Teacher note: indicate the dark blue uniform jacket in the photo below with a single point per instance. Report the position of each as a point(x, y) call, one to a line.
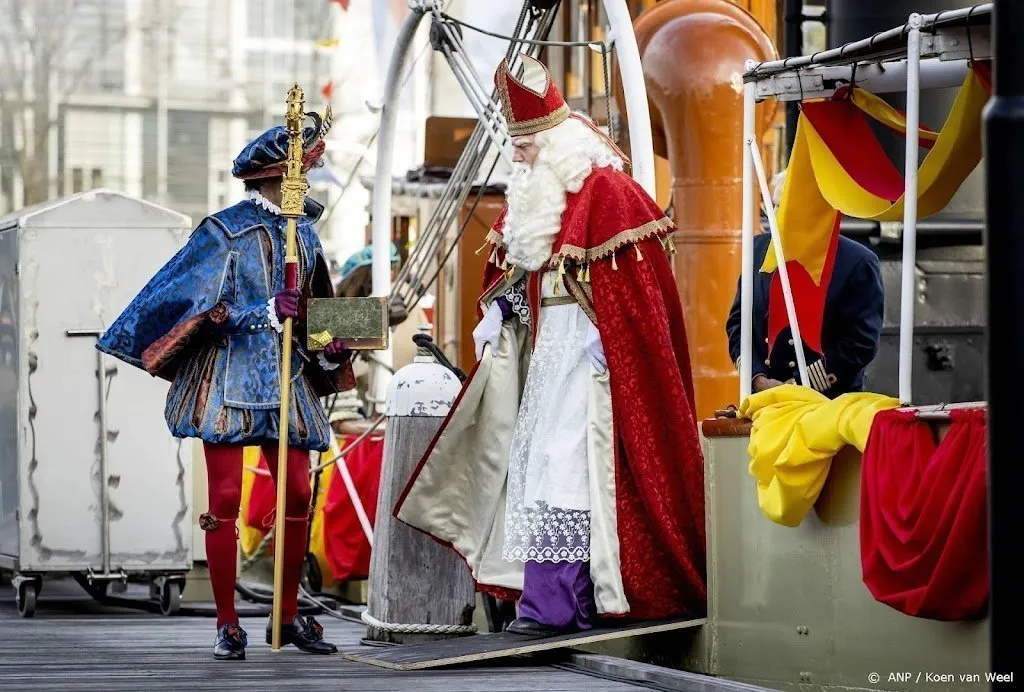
point(851, 328)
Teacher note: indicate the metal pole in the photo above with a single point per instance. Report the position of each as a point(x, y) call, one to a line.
point(787, 289)
point(793, 45)
point(634, 86)
point(1004, 152)
point(381, 205)
point(907, 291)
point(381, 228)
point(747, 262)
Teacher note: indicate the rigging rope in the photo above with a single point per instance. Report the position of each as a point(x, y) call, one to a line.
point(461, 180)
point(532, 42)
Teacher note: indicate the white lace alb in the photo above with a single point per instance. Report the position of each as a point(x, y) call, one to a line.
point(547, 515)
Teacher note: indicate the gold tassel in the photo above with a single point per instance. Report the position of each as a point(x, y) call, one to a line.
point(504, 264)
point(580, 273)
point(586, 275)
point(494, 257)
point(482, 248)
point(615, 267)
point(639, 257)
point(509, 273)
point(561, 275)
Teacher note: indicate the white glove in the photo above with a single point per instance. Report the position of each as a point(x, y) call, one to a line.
point(595, 351)
point(489, 330)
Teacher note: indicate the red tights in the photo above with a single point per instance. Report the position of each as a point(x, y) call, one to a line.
point(224, 473)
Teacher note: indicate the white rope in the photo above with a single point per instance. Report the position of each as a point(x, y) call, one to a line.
point(416, 629)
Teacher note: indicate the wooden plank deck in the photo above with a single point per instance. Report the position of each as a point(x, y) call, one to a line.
point(73, 643)
point(484, 647)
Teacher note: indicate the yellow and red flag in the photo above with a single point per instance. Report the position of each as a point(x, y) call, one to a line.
point(838, 167)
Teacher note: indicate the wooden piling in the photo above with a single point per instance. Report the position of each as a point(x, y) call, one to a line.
point(413, 579)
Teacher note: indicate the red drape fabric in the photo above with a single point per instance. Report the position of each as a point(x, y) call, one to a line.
point(923, 524)
point(345, 544)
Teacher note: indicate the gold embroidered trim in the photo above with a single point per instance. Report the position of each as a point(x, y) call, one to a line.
point(526, 127)
point(555, 302)
point(493, 237)
point(535, 125)
point(627, 237)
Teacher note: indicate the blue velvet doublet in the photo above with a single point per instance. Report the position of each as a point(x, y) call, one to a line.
point(203, 323)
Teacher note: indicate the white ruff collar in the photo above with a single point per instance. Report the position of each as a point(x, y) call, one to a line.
point(261, 201)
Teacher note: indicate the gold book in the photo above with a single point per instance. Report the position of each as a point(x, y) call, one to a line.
point(362, 323)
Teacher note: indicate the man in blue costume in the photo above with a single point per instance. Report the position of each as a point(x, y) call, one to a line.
point(210, 322)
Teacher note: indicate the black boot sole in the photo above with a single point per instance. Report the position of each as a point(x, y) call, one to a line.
point(230, 657)
point(286, 641)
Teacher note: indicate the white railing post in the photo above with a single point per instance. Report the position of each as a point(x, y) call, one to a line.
point(909, 273)
point(747, 262)
point(780, 258)
point(634, 88)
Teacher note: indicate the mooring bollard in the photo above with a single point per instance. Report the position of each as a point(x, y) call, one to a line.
point(419, 590)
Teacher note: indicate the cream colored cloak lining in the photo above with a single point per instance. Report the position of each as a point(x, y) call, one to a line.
point(459, 495)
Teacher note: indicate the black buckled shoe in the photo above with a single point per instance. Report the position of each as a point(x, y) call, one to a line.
point(230, 644)
point(305, 634)
point(531, 628)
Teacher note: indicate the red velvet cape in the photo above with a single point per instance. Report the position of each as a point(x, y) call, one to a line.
point(614, 234)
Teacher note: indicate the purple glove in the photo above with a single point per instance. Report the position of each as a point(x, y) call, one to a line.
point(286, 303)
point(337, 352)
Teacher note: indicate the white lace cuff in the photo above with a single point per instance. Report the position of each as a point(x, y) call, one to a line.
point(272, 316)
point(326, 364)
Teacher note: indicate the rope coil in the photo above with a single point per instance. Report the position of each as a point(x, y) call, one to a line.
point(416, 629)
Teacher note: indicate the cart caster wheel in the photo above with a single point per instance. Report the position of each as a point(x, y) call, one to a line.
point(25, 597)
point(314, 577)
point(170, 597)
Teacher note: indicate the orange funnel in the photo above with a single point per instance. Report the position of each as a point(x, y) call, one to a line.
point(693, 54)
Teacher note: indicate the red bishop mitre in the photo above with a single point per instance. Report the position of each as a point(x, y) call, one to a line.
point(533, 104)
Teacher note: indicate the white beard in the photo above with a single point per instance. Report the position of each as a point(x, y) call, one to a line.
point(536, 200)
point(536, 195)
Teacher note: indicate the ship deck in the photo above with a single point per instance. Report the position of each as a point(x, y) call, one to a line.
point(75, 643)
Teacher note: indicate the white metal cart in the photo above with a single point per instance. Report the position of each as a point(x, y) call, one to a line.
point(92, 484)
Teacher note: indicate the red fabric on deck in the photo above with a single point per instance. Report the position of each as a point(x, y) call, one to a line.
point(345, 544)
point(923, 526)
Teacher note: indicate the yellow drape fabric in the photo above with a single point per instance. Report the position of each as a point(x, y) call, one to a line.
point(249, 536)
point(796, 432)
point(817, 186)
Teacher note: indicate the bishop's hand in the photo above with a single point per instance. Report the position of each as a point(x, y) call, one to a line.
point(488, 332)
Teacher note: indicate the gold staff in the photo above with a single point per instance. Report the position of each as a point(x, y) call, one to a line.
point(293, 194)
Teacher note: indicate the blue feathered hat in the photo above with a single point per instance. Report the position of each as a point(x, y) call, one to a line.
point(266, 156)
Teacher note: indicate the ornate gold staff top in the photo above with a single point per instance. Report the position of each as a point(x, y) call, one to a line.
point(293, 195)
